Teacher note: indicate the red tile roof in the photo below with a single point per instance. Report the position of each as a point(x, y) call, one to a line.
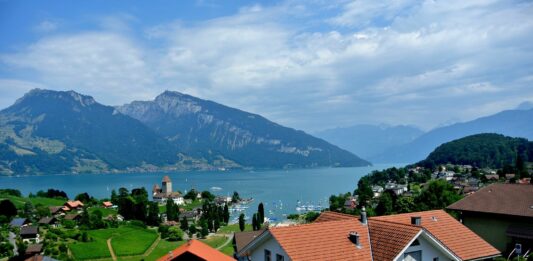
point(388, 239)
point(324, 241)
point(506, 199)
point(333, 216)
point(455, 236)
point(198, 249)
point(107, 204)
point(166, 179)
point(74, 204)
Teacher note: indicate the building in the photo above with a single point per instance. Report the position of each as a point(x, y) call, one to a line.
point(30, 233)
point(107, 204)
point(241, 239)
point(73, 217)
point(428, 235)
point(195, 250)
point(350, 203)
point(49, 221)
point(73, 205)
point(19, 222)
point(34, 249)
point(161, 195)
point(377, 190)
point(502, 214)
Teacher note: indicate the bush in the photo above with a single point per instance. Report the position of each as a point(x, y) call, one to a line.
point(175, 234)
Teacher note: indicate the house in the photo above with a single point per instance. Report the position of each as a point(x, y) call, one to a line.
point(161, 195)
point(56, 210)
point(29, 233)
point(19, 222)
point(350, 203)
point(34, 249)
point(241, 239)
point(220, 200)
point(428, 235)
point(195, 250)
point(492, 177)
point(50, 221)
point(377, 190)
point(502, 214)
point(40, 258)
point(74, 217)
point(73, 205)
point(107, 204)
point(509, 176)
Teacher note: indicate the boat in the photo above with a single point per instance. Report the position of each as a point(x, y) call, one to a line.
point(215, 188)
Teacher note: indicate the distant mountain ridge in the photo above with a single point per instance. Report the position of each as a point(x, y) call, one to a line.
point(513, 123)
point(368, 140)
point(207, 129)
point(66, 132)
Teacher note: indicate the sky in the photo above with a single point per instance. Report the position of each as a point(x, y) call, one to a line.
point(309, 64)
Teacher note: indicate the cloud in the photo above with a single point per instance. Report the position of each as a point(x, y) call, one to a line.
point(310, 64)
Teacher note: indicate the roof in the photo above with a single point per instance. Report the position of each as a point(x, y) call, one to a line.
point(55, 209)
point(455, 236)
point(506, 199)
point(324, 241)
point(74, 204)
point(166, 179)
point(40, 258)
point(107, 204)
point(198, 249)
point(46, 220)
point(333, 216)
point(520, 231)
point(18, 222)
point(387, 245)
point(71, 216)
point(30, 230)
point(243, 238)
point(34, 248)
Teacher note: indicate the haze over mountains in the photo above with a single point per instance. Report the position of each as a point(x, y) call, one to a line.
point(404, 144)
point(55, 132)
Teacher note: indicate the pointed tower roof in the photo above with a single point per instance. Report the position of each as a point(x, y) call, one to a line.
point(166, 179)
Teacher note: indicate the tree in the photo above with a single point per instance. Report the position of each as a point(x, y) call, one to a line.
point(405, 205)
point(226, 214)
point(438, 195)
point(216, 225)
point(192, 229)
point(85, 219)
point(241, 222)
point(385, 205)
point(255, 223)
point(235, 198)
point(28, 210)
point(7, 208)
point(83, 197)
point(172, 210)
point(205, 230)
point(208, 196)
point(42, 211)
point(153, 214)
point(96, 221)
point(364, 191)
point(184, 224)
point(260, 214)
point(175, 234)
point(114, 197)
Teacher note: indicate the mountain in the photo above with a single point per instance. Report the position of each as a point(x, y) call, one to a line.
point(63, 131)
point(481, 150)
point(368, 141)
point(514, 123)
point(209, 130)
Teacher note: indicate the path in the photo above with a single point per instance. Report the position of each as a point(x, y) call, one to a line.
point(111, 250)
point(152, 247)
point(230, 238)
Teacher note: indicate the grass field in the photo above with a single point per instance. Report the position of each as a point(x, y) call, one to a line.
point(105, 211)
point(215, 241)
point(126, 240)
point(163, 248)
point(20, 201)
point(233, 228)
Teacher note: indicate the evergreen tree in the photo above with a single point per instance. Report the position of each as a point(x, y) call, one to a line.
point(255, 222)
point(226, 214)
point(114, 197)
point(85, 219)
point(260, 214)
point(385, 205)
point(172, 213)
point(241, 222)
point(153, 214)
point(184, 225)
point(205, 230)
point(7, 208)
point(210, 224)
point(216, 225)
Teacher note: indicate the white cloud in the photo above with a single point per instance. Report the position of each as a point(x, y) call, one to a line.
point(392, 61)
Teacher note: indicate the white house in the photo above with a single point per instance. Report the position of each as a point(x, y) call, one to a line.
point(429, 235)
point(161, 195)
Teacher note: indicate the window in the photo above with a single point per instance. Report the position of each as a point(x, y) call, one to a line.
point(279, 257)
point(413, 256)
point(415, 243)
point(267, 255)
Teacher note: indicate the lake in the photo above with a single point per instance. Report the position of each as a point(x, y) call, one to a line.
point(281, 191)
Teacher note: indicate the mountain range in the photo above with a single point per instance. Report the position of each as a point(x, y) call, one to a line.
point(66, 132)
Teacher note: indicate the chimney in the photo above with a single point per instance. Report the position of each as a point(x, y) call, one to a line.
point(354, 237)
point(416, 221)
point(364, 219)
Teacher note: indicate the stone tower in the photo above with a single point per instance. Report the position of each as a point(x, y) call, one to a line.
point(167, 185)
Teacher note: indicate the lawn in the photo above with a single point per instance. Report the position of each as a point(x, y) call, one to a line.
point(215, 241)
point(233, 228)
point(20, 201)
point(162, 249)
point(126, 240)
point(105, 211)
point(228, 249)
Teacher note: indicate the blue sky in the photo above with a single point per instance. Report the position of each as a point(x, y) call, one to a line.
point(310, 65)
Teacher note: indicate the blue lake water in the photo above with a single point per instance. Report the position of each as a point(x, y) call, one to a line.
point(280, 190)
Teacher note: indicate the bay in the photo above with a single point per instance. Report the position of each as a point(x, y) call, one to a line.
point(281, 191)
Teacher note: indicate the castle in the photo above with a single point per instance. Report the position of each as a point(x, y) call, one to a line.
point(161, 195)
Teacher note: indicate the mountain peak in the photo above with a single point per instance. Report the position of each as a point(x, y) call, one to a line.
point(83, 100)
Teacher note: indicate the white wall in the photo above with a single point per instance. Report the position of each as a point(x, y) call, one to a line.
point(258, 253)
point(429, 250)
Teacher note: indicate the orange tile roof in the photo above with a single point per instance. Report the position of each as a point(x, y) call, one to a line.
point(333, 216)
point(455, 236)
point(198, 249)
point(506, 199)
point(107, 204)
point(74, 204)
point(389, 239)
point(324, 241)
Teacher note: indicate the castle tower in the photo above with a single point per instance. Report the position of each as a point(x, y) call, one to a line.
point(167, 185)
